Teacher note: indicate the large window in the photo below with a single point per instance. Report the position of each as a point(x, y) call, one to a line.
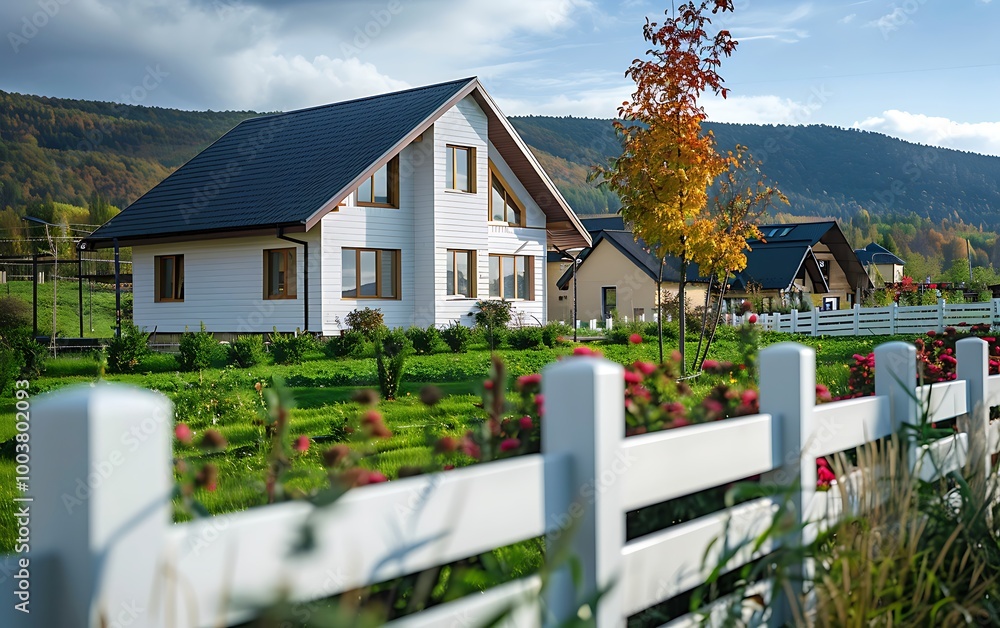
point(280, 274)
point(462, 273)
point(382, 188)
point(370, 274)
point(460, 168)
point(510, 277)
point(503, 206)
point(168, 273)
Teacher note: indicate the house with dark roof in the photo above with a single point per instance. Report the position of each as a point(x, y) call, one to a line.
point(617, 275)
point(418, 203)
point(809, 263)
point(806, 263)
point(882, 265)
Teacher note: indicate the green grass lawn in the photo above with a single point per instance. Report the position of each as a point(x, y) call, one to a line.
point(101, 302)
point(225, 399)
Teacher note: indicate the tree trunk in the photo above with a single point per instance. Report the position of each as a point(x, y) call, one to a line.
point(659, 308)
point(718, 317)
point(681, 314)
point(704, 324)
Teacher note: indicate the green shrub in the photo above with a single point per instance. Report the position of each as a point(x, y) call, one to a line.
point(525, 338)
point(10, 368)
point(457, 337)
point(198, 350)
point(555, 334)
point(246, 351)
point(31, 355)
point(349, 344)
point(391, 348)
point(290, 348)
point(127, 350)
point(424, 340)
point(492, 317)
point(368, 321)
point(14, 313)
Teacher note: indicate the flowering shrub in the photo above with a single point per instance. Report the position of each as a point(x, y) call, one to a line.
point(936, 360)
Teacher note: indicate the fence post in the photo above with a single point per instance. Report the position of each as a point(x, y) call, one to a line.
point(608, 324)
point(941, 306)
point(585, 420)
point(857, 319)
point(973, 366)
point(815, 321)
point(788, 393)
point(795, 321)
point(101, 484)
point(896, 378)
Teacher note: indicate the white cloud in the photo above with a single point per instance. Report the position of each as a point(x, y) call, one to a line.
point(979, 137)
point(759, 110)
point(596, 103)
point(847, 19)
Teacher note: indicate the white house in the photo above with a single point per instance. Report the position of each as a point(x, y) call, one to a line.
point(418, 203)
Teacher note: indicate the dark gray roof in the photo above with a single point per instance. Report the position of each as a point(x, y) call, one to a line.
point(594, 224)
point(638, 253)
point(772, 267)
point(808, 232)
point(877, 253)
point(278, 169)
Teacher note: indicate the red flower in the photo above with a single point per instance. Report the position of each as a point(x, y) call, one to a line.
point(749, 397)
point(183, 433)
point(374, 477)
point(583, 351)
point(635, 339)
point(710, 365)
point(932, 333)
point(372, 417)
point(488, 384)
point(631, 377)
point(526, 423)
point(446, 444)
point(646, 368)
point(822, 393)
point(752, 319)
point(539, 399)
point(510, 444)
point(302, 443)
point(529, 380)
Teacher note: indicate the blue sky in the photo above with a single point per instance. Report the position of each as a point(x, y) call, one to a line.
point(923, 70)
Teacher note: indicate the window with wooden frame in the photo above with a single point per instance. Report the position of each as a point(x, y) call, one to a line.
point(280, 274)
point(382, 188)
point(461, 273)
point(511, 277)
point(168, 271)
point(503, 206)
point(460, 168)
point(370, 274)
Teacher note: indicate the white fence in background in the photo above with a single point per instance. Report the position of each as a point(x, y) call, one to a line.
point(879, 321)
point(103, 548)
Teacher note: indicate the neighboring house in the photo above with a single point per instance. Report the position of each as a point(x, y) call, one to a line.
point(417, 203)
point(806, 262)
point(882, 265)
point(617, 275)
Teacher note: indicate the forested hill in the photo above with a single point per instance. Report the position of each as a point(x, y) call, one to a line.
point(824, 171)
point(66, 150)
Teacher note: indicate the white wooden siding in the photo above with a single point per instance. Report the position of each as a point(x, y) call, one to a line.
point(224, 287)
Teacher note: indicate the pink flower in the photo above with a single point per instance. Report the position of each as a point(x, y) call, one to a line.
point(680, 422)
point(539, 399)
point(510, 444)
point(526, 423)
point(529, 380)
point(710, 365)
point(714, 406)
point(631, 377)
point(302, 444)
point(183, 433)
point(583, 351)
point(372, 417)
point(374, 477)
point(753, 319)
point(635, 339)
point(822, 393)
point(646, 368)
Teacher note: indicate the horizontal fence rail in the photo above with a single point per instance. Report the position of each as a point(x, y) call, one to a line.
point(878, 321)
point(110, 546)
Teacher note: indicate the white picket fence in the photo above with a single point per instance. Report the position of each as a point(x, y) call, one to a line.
point(879, 321)
point(102, 544)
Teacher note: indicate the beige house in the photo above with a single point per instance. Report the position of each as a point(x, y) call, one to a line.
point(616, 277)
point(882, 265)
point(809, 263)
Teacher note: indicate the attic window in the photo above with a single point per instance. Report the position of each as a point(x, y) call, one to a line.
point(785, 232)
point(382, 188)
point(773, 232)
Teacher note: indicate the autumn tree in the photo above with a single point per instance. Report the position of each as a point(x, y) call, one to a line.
point(741, 197)
point(667, 162)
